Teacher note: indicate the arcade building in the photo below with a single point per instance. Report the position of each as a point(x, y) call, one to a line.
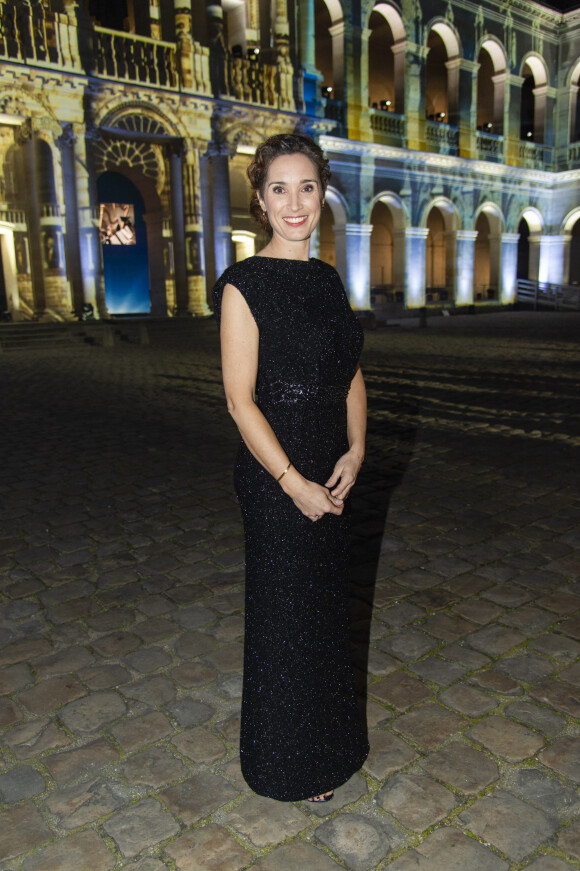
point(452, 129)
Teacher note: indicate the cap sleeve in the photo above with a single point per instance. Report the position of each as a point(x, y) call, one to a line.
point(245, 280)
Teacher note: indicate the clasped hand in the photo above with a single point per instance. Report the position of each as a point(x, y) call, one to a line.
point(315, 500)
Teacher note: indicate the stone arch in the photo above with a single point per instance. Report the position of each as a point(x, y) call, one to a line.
point(442, 220)
point(530, 227)
point(574, 85)
point(329, 46)
point(491, 84)
point(333, 221)
point(570, 229)
point(489, 224)
point(386, 58)
point(534, 72)
point(442, 73)
point(388, 216)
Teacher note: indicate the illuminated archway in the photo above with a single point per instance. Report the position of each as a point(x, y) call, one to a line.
point(491, 78)
point(571, 231)
point(489, 224)
point(442, 222)
point(442, 74)
point(386, 67)
point(533, 99)
point(530, 227)
point(332, 223)
point(574, 86)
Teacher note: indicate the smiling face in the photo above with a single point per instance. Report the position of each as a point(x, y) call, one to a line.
point(292, 197)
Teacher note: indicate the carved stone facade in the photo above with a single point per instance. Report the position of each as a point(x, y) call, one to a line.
point(453, 131)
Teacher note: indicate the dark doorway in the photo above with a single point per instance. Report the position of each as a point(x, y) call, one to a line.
point(524, 250)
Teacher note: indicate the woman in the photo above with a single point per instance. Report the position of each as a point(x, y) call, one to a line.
point(290, 349)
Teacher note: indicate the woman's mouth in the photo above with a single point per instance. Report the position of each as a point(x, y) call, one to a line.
point(296, 222)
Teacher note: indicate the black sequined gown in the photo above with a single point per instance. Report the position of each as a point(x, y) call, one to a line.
point(300, 733)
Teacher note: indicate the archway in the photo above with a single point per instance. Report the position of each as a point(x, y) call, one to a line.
point(382, 253)
point(533, 100)
point(490, 88)
point(442, 75)
point(575, 105)
point(386, 71)
point(440, 251)
point(571, 233)
point(124, 245)
point(530, 229)
point(326, 236)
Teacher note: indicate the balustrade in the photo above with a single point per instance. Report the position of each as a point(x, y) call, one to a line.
point(489, 146)
point(388, 123)
point(442, 138)
point(134, 58)
point(29, 33)
point(534, 155)
point(250, 81)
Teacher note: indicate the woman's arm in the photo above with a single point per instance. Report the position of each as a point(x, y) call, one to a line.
point(347, 468)
point(239, 342)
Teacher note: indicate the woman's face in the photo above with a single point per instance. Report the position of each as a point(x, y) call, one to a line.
point(292, 197)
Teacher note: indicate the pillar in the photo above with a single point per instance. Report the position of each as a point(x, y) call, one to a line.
point(551, 269)
point(222, 228)
point(177, 221)
point(184, 42)
point(25, 139)
point(72, 239)
point(415, 57)
point(399, 49)
point(415, 255)
point(512, 119)
point(155, 19)
point(307, 37)
point(353, 244)
point(194, 235)
point(337, 34)
point(467, 108)
point(509, 267)
point(499, 90)
point(465, 261)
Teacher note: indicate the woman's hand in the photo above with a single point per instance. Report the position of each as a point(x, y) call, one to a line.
point(312, 499)
point(344, 476)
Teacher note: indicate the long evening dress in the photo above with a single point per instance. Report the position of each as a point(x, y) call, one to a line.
point(300, 732)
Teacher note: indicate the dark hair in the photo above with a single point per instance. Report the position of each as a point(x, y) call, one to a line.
point(269, 150)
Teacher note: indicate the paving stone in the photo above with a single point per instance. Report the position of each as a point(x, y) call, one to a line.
point(28, 649)
point(459, 652)
point(188, 712)
point(560, 602)
point(558, 646)
point(508, 595)
point(438, 670)
point(104, 677)
point(387, 754)
point(153, 767)
point(569, 840)
point(266, 822)
point(361, 842)
point(545, 791)
point(418, 802)
point(142, 825)
point(148, 864)
point(22, 829)
point(116, 644)
point(529, 620)
point(529, 668)
point(478, 611)
point(546, 721)
point(468, 700)
point(35, 737)
point(348, 793)
point(401, 614)
point(230, 687)
point(548, 863)
point(84, 850)
point(571, 627)
point(200, 745)
point(51, 694)
point(571, 675)
point(513, 826)
point(198, 797)
point(139, 731)
point(90, 759)
point(193, 644)
point(400, 690)
point(20, 783)
point(228, 658)
point(449, 850)
point(211, 848)
point(494, 640)
point(506, 739)
point(148, 659)
point(87, 715)
point(153, 691)
point(462, 767)
point(230, 728)
point(564, 757)
point(296, 855)
point(447, 627)
point(429, 725)
point(418, 579)
point(86, 802)
point(381, 664)
point(156, 629)
point(194, 674)
point(498, 683)
point(15, 677)
point(559, 695)
point(9, 713)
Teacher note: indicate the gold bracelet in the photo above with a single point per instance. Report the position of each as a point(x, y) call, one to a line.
point(283, 473)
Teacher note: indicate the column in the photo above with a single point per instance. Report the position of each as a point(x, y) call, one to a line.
point(90, 242)
point(467, 108)
point(465, 261)
point(307, 37)
point(551, 270)
point(415, 254)
point(177, 221)
point(358, 265)
point(155, 19)
point(415, 56)
point(25, 140)
point(534, 242)
point(453, 68)
point(184, 42)
point(285, 69)
point(509, 267)
point(222, 228)
point(512, 119)
point(495, 262)
point(194, 235)
point(72, 239)
point(337, 34)
point(399, 50)
point(217, 47)
point(206, 197)
point(499, 88)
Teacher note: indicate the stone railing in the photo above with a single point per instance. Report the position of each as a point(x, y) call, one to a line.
point(130, 58)
point(489, 146)
point(534, 155)
point(387, 123)
point(574, 152)
point(442, 138)
point(36, 35)
point(249, 81)
point(12, 215)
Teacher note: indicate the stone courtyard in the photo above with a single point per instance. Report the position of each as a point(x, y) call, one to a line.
point(121, 609)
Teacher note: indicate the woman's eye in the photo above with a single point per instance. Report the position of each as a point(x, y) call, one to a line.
point(278, 190)
point(308, 188)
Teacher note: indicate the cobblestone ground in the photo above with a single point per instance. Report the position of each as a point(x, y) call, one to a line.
point(121, 610)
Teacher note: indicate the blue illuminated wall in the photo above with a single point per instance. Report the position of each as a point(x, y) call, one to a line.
point(126, 267)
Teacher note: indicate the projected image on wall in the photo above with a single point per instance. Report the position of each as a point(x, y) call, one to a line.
point(117, 224)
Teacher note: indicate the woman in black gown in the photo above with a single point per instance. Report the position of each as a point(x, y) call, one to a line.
point(290, 349)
